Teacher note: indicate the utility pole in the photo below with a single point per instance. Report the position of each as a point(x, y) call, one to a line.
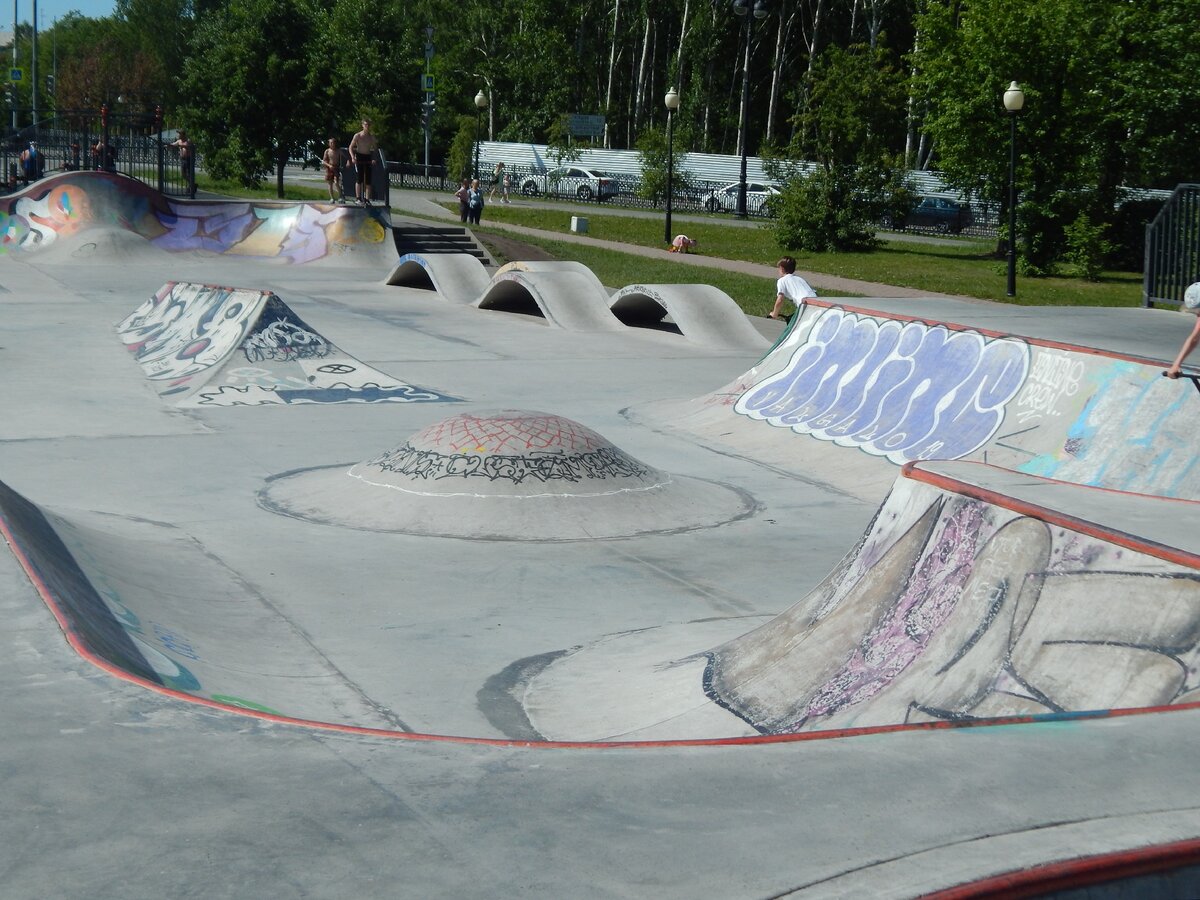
point(427, 86)
point(33, 68)
point(12, 87)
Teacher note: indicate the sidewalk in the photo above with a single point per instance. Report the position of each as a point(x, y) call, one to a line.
point(426, 203)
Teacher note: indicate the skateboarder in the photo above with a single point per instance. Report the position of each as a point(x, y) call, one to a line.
point(790, 286)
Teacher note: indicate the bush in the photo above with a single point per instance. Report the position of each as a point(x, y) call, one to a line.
point(837, 207)
point(1086, 247)
point(652, 150)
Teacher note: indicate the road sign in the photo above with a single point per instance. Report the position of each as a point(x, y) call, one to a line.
point(586, 126)
point(427, 82)
point(16, 74)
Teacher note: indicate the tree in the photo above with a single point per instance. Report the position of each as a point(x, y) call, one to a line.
point(1107, 85)
point(849, 127)
point(652, 151)
point(254, 92)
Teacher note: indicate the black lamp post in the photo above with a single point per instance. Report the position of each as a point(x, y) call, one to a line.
point(481, 103)
point(1014, 102)
point(672, 103)
point(741, 8)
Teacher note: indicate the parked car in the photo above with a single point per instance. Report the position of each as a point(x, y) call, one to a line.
point(585, 184)
point(725, 199)
point(938, 213)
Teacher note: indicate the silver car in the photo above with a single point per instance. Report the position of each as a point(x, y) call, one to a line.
point(758, 197)
point(570, 181)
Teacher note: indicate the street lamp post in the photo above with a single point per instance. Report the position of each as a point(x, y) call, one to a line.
point(481, 103)
point(672, 103)
point(1014, 102)
point(741, 8)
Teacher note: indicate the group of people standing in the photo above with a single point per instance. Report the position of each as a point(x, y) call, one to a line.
point(362, 154)
point(470, 194)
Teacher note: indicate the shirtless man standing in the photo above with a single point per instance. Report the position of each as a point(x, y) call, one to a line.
point(331, 161)
point(362, 150)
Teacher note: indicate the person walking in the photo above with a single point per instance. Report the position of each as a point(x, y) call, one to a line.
point(362, 152)
point(789, 287)
point(497, 180)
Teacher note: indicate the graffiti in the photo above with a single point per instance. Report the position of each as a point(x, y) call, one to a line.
point(514, 431)
point(607, 462)
point(1128, 430)
point(965, 610)
point(174, 642)
point(1053, 377)
point(187, 328)
point(283, 339)
point(905, 391)
point(258, 394)
point(297, 233)
point(33, 222)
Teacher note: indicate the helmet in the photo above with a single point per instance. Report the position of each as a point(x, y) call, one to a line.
point(1191, 298)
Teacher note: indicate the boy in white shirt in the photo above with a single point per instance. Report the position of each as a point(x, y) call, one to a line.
point(790, 286)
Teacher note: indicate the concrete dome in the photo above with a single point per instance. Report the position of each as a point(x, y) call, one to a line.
point(506, 475)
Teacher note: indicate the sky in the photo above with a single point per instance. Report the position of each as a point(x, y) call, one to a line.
point(49, 10)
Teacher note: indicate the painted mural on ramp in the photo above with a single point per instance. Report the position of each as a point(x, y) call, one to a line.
point(957, 605)
point(899, 390)
point(203, 345)
point(62, 208)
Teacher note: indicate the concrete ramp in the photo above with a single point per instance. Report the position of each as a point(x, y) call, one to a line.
point(557, 265)
point(146, 601)
point(704, 314)
point(72, 204)
point(564, 298)
point(457, 277)
point(976, 593)
point(204, 345)
point(898, 390)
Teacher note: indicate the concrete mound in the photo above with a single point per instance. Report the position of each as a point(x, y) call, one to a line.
point(508, 475)
point(203, 345)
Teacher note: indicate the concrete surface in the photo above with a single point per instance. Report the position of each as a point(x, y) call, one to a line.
point(117, 784)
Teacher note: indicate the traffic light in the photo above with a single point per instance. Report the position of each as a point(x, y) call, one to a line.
point(427, 110)
point(50, 85)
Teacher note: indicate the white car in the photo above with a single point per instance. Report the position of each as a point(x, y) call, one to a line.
point(570, 181)
point(725, 199)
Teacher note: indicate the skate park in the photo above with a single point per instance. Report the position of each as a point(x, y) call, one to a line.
point(338, 572)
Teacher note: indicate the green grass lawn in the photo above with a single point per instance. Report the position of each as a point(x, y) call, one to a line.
point(754, 295)
point(966, 268)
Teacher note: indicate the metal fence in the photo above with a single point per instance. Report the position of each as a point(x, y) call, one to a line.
point(1173, 248)
point(691, 195)
point(131, 144)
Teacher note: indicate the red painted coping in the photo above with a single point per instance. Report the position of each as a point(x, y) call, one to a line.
point(1036, 881)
